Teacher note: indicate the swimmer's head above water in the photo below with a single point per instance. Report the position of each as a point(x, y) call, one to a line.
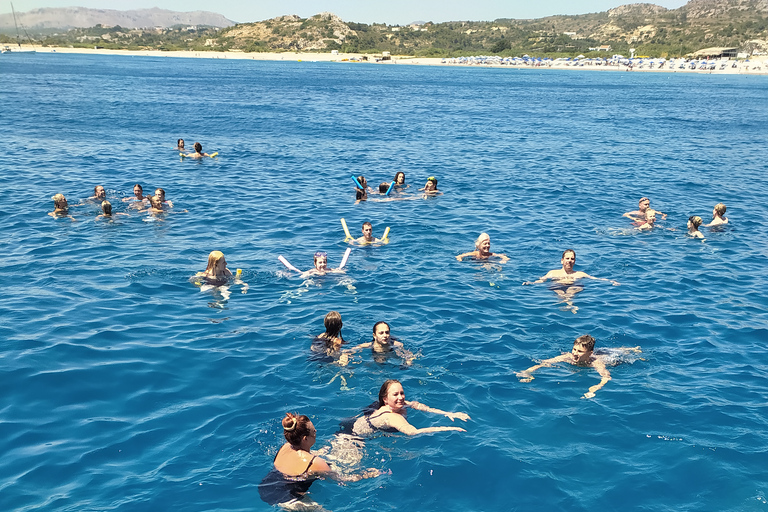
point(568, 259)
point(694, 221)
point(217, 264)
point(431, 184)
point(384, 391)
point(106, 207)
point(483, 243)
point(383, 187)
point(59, 202)
point(296, 427)
point(399, 178)
point(719, 209)
point(180, 143)
point(333, 324)
point(582, 350)
point(198, 147)
point(321, 260)
point(99, 192)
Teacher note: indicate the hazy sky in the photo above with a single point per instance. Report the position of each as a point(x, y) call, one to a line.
point(393, 12)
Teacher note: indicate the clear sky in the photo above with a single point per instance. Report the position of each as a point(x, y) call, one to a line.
point(392, 12)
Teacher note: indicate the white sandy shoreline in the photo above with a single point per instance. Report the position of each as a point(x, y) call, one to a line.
point(753, 67)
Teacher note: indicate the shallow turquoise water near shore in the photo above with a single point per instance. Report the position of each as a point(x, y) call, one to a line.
point(126, 388)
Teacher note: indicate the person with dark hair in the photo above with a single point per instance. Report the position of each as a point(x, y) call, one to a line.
point(296, 468)
point(694, 221)
point(583, 354)
point(99, 194)
point(138, 194)
point(400, 180)
point(198, 152)
point(361, 192)
point(430, 187)
point(330, 341)
point(388, 414)
point(180, 145)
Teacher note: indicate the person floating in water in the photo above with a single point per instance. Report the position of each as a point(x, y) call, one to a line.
point(566, 278)
point(99, 194)
point(106, 210)
point(639, 216)
point(650, 221)
point(583, 354)
point(368, 238)
point(483, 250)
point(330, 341)
point(138, 195)
point(295, 467)
point(217, 275)
point(694, 221)
point(388, 414)
point(361, 191)
point(198, 152)
point(718, 216)
point(320, 260)
point(180, 145)
point(160, 195)
point(400, 181)
point(430, 188)
point(383, 344)
point(60, 207)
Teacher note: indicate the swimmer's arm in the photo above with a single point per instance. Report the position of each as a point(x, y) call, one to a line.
point(418, 406)
point(465, 255)
point(321, 468)
point(584, 274)
point(358, 348)
point(525, 375)
point(632, 215)
point(541, 279)
point(401, 424)
point(605, 376)
point(503, 257)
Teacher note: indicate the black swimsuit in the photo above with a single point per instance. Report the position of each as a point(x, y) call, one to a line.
point(279, 488)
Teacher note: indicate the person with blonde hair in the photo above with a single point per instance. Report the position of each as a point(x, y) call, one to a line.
point(718, 216)
point(295, 467)
point(483, 250)
point(106, 210)
point(60, 207)
point(694, 221)
point(217, 275)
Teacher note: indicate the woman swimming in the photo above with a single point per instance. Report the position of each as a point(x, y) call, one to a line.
point(430, 187)
point(400, 180)
point(361, 192)
point(330, 341)
point(388, 414)
point(295, 468)
point(483, 250)
point(138, 194)
point(216, 273)
point(180, 145)
point(60, 207)
point(694, 221)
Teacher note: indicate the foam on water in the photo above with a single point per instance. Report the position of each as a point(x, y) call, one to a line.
point(126, 388)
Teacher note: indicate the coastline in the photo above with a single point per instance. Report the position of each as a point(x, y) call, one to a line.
point(758, 66)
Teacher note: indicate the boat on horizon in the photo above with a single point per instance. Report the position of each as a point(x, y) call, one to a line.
point(10, 49)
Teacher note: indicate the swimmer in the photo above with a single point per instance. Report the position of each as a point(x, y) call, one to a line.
point(295, 467)
point(582, 354)
point(330, 341)
point(383, 343)
point(388, 414)
point(361, 194)
point(694, 221)
point(367, 237)
point(718, 216)
point(198, 152)
point(430, 187)
point(639, 215)
point(106, 209)
point(650, 221)
point(483, 250)
point(217, 274)
point(566, 277)
point(160, 195)
point(138, 194)
point(60, 207)
point(180, 145)
point(400, 180)
point(99, 194)
point(321, 266)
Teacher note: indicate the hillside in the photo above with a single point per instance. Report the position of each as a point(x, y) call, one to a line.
point(649, 29)
point(43, 20)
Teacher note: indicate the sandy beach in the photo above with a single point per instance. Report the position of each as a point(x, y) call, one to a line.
point(755, 66)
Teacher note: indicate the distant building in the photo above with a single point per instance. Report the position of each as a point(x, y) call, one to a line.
point(717, 52)
point(604, 48)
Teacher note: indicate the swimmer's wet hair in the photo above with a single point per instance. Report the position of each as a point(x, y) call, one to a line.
point(366, 223)
point(382, 322)
point(384, 389)
point(695, 220)
point(720, 209)
point(213, 259)
point(398, 173)
point(480, 238)
point(106, 207)
point(333, 324)
point(567, 251)
point(198, 147)
point(433, 180)
point(585, 341)
point(58, 198)
point(383, 187)
point(295, 428)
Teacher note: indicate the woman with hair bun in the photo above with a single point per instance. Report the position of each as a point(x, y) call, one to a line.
point(295, 468)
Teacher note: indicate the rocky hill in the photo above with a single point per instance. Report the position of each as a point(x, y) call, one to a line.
point(290, 33)
point(79, 17)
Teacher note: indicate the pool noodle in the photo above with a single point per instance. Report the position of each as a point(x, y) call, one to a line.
point(386, 234)
point(357, 183)
point(390, 189)
point(214, 154)
point(346, 229)
point(287, 264)
point(345, 258)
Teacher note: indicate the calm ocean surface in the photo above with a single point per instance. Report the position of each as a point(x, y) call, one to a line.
point(126, 388)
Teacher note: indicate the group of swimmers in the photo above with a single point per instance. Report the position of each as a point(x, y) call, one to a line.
point(644, 218)
point(397, 184)
point(156, 203)
point(198, 150)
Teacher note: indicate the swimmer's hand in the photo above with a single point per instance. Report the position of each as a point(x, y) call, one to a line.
point(615, 283)
point(461, 415)
point(591, 392)
point(524, 377)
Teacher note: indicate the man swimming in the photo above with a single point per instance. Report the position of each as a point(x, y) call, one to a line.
point(582, 354)
point(367, 237)
point(718, 216)
point(639, 216)
point(566, 277)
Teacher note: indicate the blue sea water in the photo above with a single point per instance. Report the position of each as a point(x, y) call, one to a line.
point(127, 388)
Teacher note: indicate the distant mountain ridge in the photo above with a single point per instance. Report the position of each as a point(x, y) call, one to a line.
point(65, 18)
